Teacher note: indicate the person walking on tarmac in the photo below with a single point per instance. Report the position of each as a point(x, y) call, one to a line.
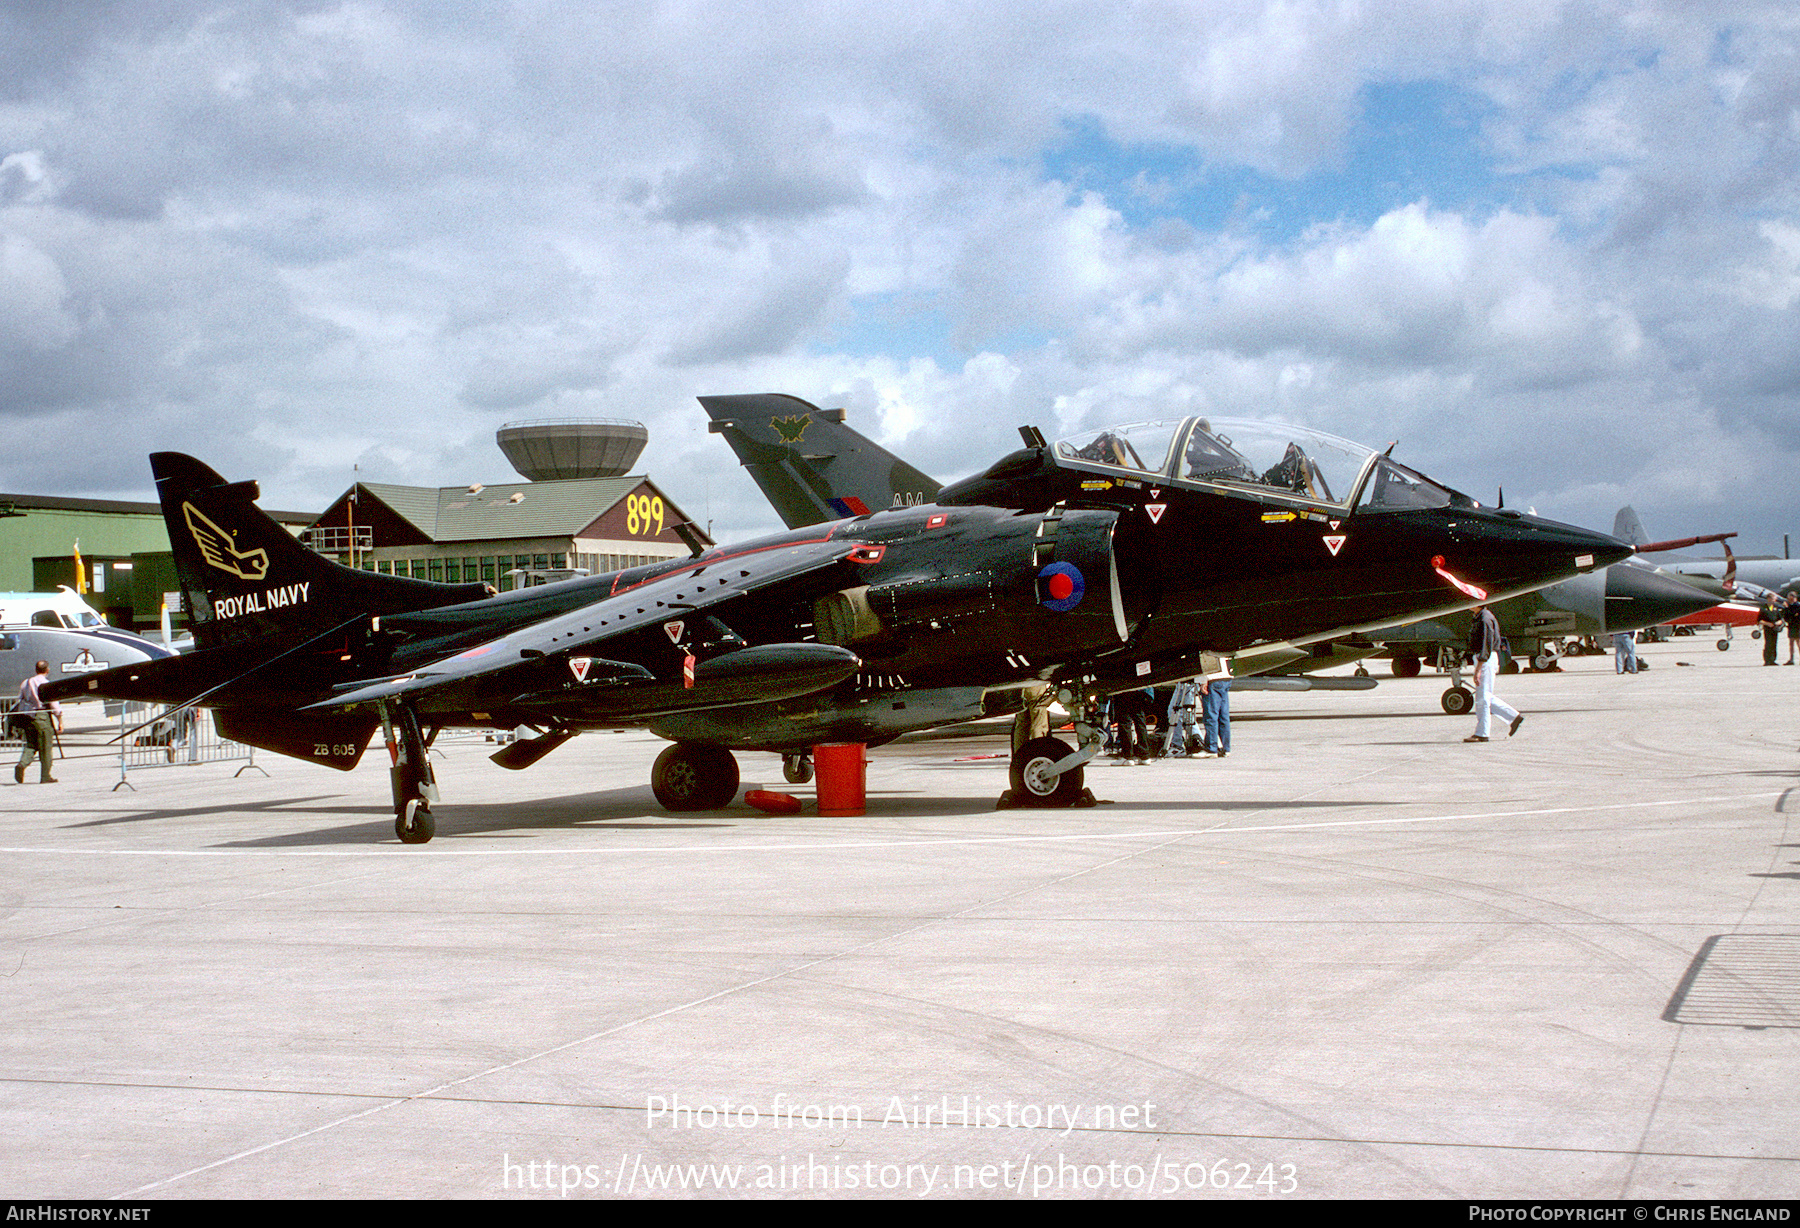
point(1484, 650)
point(39, 731)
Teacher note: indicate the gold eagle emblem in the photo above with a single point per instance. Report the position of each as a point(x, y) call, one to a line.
point(219, 550)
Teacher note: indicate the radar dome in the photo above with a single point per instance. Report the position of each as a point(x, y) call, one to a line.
point(552, 449)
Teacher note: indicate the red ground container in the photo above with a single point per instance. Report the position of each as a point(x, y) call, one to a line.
point(840, 777)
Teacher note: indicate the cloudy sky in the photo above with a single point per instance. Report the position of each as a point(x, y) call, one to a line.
point(1550, 247)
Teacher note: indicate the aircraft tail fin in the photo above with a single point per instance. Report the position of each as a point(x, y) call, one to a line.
point(1628, 528)
point(246, 578)
point(811, 466)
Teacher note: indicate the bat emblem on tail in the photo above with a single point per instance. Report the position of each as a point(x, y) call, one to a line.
point(791, 429)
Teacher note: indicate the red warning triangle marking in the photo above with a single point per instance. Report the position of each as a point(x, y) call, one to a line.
point(1155, 511)
point(1334, 543)
point(673, 630)
point(579, 666)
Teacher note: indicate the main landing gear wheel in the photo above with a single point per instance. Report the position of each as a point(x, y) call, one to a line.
point(414, 825)
point(797, 768)
point(1457, 700)
point(1032, 785)
point(1407, 667)
point(690, 776)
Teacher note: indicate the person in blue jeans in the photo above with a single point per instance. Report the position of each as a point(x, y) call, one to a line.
point(1624, 652)
point(1215, 708)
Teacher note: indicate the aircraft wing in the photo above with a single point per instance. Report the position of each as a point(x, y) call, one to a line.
point(565, 660)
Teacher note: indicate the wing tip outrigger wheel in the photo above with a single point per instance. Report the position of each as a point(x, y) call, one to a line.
point(415, 824)
point(797, 768)
point(413, 781)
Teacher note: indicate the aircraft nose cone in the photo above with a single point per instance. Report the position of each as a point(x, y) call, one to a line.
point(1605, 549)
point(1700, 584)
point(1521, 553)
point(1639, 597)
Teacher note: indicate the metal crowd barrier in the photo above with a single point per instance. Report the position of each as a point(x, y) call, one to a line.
point(474, 736)
point(154, 736)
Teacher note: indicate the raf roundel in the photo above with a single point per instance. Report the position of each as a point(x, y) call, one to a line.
point(1061, 587)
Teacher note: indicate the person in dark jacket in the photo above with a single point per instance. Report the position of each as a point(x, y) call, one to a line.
point(1484, 651)
point(1130, 709)
point(1768, 621)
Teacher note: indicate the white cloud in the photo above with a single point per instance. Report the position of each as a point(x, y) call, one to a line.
point(34, 298)
point(303, 234)
point(1774, 280)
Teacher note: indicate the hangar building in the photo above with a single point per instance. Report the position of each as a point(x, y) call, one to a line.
point(583, 511)
point(580, 510)
point(125, 562)
point(461, 533)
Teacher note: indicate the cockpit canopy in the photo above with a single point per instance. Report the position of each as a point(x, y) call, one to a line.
point(1262, 460)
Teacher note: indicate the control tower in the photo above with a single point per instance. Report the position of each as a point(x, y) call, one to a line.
point(550, 449)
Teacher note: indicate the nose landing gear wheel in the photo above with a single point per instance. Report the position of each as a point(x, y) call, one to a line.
point(1457, 700)
point(1032, 785)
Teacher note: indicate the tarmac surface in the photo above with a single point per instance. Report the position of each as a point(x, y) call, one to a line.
point(1357, 958)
